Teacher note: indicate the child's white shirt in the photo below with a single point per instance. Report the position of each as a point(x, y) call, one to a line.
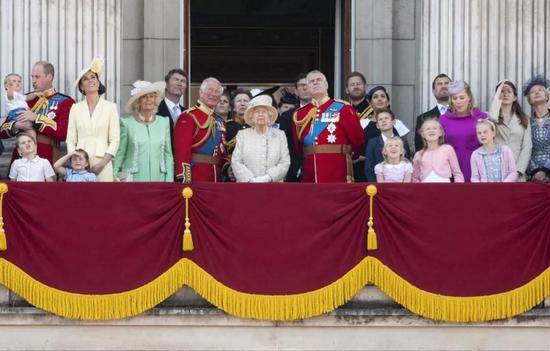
point(18, 101)
point(35, 170)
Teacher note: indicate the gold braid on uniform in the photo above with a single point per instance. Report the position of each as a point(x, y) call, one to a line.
point(366, 114)
point(231, 143)
point(300, 125)
point(208, 124)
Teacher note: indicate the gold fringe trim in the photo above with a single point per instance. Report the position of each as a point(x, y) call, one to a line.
point(94, 307)
point(276, 307)
point(454, 308)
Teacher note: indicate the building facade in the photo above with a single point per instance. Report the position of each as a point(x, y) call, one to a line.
point(401, 44)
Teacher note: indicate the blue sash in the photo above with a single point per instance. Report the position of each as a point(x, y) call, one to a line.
point(330, 115)
point(212, 142)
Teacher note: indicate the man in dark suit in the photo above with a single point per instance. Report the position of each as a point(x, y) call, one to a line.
point(385, 122)
point(170, 107)
point(285, 124)
point(441, 94)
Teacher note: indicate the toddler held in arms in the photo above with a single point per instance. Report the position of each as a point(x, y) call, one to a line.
point(14, 100)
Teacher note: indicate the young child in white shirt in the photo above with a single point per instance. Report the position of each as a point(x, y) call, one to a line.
point(14, 100)
point(30, 167)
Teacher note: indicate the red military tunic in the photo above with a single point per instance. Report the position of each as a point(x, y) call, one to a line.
point(339, 129)
point(50, 125)
point(200, 155)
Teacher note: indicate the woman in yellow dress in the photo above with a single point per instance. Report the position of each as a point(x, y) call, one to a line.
point(94, 124)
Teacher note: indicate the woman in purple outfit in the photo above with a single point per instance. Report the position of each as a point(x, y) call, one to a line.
point(459, 124)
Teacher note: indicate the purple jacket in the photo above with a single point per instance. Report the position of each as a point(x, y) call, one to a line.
point(507, 166)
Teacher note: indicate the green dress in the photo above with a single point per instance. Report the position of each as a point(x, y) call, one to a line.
point(145, 151)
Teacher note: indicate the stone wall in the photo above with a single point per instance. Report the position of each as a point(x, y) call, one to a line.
point(386, 51)
point(370, 321)
point(150, 40)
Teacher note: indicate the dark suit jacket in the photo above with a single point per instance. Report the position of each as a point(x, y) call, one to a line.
point(163, 111)
point(433, 113)
point(373, 155)
point(285, 124)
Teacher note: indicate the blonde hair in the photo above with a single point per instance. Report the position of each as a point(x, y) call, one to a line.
point(24, 134)
point(440, 140)
point(468, 91)
point(486, 122)
point(136, 106)
point(8, 76)
point(397, 140)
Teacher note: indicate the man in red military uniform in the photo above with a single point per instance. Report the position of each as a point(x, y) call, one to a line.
point(199, 135)
point(328, 135)
point(48, 115)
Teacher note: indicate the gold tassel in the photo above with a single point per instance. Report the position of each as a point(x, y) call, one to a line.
point(187, 238)
point(372, 241)
point(3, 240)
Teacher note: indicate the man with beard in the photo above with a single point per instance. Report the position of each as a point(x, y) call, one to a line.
point(440, 86)
point(356, 91)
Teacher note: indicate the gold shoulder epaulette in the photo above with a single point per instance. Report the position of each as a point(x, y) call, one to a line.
point(190, 109)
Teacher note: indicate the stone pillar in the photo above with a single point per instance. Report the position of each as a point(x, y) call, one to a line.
point(132, 46)
point(151, 41)
point(161, 38)
point(385, 51)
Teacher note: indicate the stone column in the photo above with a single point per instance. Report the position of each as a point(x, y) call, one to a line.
point(386, 50)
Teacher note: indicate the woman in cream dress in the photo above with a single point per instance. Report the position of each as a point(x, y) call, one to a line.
point(94, 124)
point(261, 152)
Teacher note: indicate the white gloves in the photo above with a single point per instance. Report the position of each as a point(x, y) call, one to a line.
point(261, 179)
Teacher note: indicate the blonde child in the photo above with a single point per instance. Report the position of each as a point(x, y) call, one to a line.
point(395, 168)
point(491, 163)
point(14, 100)
point(79, 171)
point(30, 167)
point(436, 162)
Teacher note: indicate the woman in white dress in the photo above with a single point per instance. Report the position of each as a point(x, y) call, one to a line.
point(261, 153)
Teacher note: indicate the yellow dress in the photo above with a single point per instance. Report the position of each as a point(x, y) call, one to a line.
point(97, 134)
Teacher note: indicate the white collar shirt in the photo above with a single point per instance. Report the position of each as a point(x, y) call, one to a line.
point(442, 108)
point(35, 170)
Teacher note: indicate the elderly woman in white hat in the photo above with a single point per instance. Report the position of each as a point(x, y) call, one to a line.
point(145, 152)
point(261, 153)
point(94, 123)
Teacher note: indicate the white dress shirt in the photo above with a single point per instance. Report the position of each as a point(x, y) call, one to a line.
point(442, 108)
point(35, 170)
